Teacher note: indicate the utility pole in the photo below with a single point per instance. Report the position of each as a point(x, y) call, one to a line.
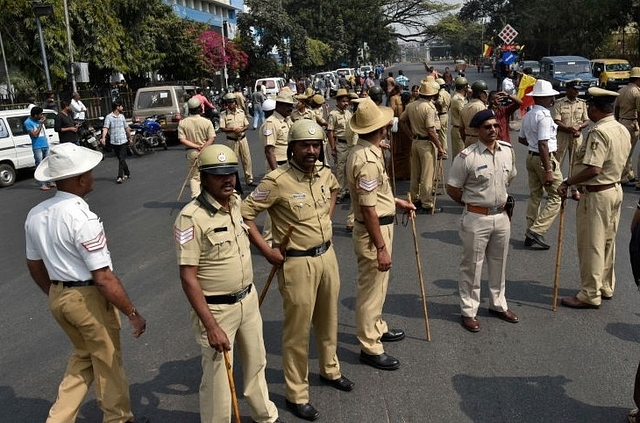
point(72, 67)
point(6, 70)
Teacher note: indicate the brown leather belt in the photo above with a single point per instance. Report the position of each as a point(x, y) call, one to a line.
point(595, 188)
point(485, 210)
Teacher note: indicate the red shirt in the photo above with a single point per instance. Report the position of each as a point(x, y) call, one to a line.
point(503, 113)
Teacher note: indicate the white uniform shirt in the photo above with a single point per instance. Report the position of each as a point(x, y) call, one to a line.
point(68, 237)
point(538, 125)
point(78, 109)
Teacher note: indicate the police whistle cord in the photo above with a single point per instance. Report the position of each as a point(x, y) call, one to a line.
point(556, 276)
point(232, 387)
point(422, 289)
point(274, 268)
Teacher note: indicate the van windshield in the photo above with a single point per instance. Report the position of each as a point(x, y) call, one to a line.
point(571, 67)
point(154, 99)
point(618, 67)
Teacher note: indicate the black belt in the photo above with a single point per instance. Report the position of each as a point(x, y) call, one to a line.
point(235, 139)
point(230, 298)
point(311, 252)
point(533, 153)
point(440, 114)
point(342, 140)
point(420, 137)
point(281, 162)
point(74, 284)
point(383, 220)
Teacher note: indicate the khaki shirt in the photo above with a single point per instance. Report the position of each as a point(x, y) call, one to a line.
point(443, 102)
point(338, 123)
point(628, 102)
point(230, 120)
point(308, 114)
point(319, 114)
point(368, 180)
point(196, 129)
point(457, 103)
point(422, 115)
point(607, 146)
point(468, 112)
point(483, 176)
point(275, 131)
point(293, 198)
point(218, 243)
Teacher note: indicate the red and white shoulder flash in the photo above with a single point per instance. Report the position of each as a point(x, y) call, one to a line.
point(97, 243)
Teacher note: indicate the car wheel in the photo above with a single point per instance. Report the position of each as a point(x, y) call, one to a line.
point(7, 175)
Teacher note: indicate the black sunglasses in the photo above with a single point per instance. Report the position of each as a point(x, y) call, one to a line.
point(491, 126)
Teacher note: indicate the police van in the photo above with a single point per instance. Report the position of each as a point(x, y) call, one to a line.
point(15, 142)
point(561, 69)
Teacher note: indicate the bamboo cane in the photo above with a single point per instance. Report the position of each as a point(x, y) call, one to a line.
point(232, 387)
point(420, 278)
point(274, 268)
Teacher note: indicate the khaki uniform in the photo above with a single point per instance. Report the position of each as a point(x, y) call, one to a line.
point(484, 178)
point(240, 101)
point(309, 280)
point(352, 139)
point(238, 143)
point(443, 105)
point(467, 113)
point(457, 103)
point(198, 130)
point(338, 123)
point(627, 108)
point(571, 113)
point(538, 125)
point(422, 114)
point(607, 146)
point(370, 186)
point(218, 244)
point(307, 114)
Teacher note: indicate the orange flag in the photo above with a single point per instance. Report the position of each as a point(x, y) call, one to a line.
point(486, 51)
point(526, 85)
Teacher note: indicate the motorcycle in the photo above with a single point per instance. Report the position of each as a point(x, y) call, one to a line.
point(147, 135)
point(88, 136)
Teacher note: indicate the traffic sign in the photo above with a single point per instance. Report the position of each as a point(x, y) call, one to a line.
point(507, 34)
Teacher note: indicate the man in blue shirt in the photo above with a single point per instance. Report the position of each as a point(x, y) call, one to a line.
point(34, 125)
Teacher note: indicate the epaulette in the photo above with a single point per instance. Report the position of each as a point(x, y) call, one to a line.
point(190, 209)
point(464, 153)
point(505, 144)
point(277, 172)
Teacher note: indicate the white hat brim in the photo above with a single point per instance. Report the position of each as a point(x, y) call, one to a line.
point(66, 160)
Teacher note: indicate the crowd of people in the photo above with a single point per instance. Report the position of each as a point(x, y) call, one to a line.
point(315, 158)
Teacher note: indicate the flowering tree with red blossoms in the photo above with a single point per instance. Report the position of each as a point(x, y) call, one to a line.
point(214, 56)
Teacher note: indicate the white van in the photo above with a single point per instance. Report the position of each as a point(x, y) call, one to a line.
point(272, 86)
point(15, 143)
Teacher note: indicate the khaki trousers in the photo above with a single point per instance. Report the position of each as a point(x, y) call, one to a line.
point(424, 157)
point(597, 218)
point(540, 218)
point(93, 327)
point(243, 325)
point(442, 132)
point(567, 144)
point(241, 148)
point(340, 167)
point(192, 169)
point(457, 145)
point(632, 127)
point(309, 287)
point(483, 237)
point(372, 288)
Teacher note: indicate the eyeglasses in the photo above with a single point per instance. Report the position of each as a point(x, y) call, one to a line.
point(491, 126)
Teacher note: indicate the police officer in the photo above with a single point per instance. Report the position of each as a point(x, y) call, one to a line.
point(195, 132)
point(538, 133)
point(422, 117)
point(68, 258)
point(302, 111)
point(302, 194)
point(375, 94)
point(597, 170)
point(478, 179)
point(234, 122)
point(458, 100)
point(374, 207)
point(337, 134)
point(212, 245)
point(275, 131)
point(478, 102)
point(570, 114)
point(626, 111)
point(443, 104)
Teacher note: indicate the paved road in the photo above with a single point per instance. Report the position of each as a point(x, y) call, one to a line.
point(567, 366)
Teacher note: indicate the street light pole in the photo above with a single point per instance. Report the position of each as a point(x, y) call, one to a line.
point(71, 62)
point(42, 9)
point(6, 70)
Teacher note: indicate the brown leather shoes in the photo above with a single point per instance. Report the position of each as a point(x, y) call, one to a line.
point(574, 302)
point(471, 324)
point(507, 316)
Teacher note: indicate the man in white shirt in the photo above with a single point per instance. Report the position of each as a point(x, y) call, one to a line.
point(77, 107)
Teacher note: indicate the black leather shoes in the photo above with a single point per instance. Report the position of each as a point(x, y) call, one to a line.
point(380, 361)
point(393, 335)
point(303, 411)
point(342, 383)
point(278, 420)
point(537, 239)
